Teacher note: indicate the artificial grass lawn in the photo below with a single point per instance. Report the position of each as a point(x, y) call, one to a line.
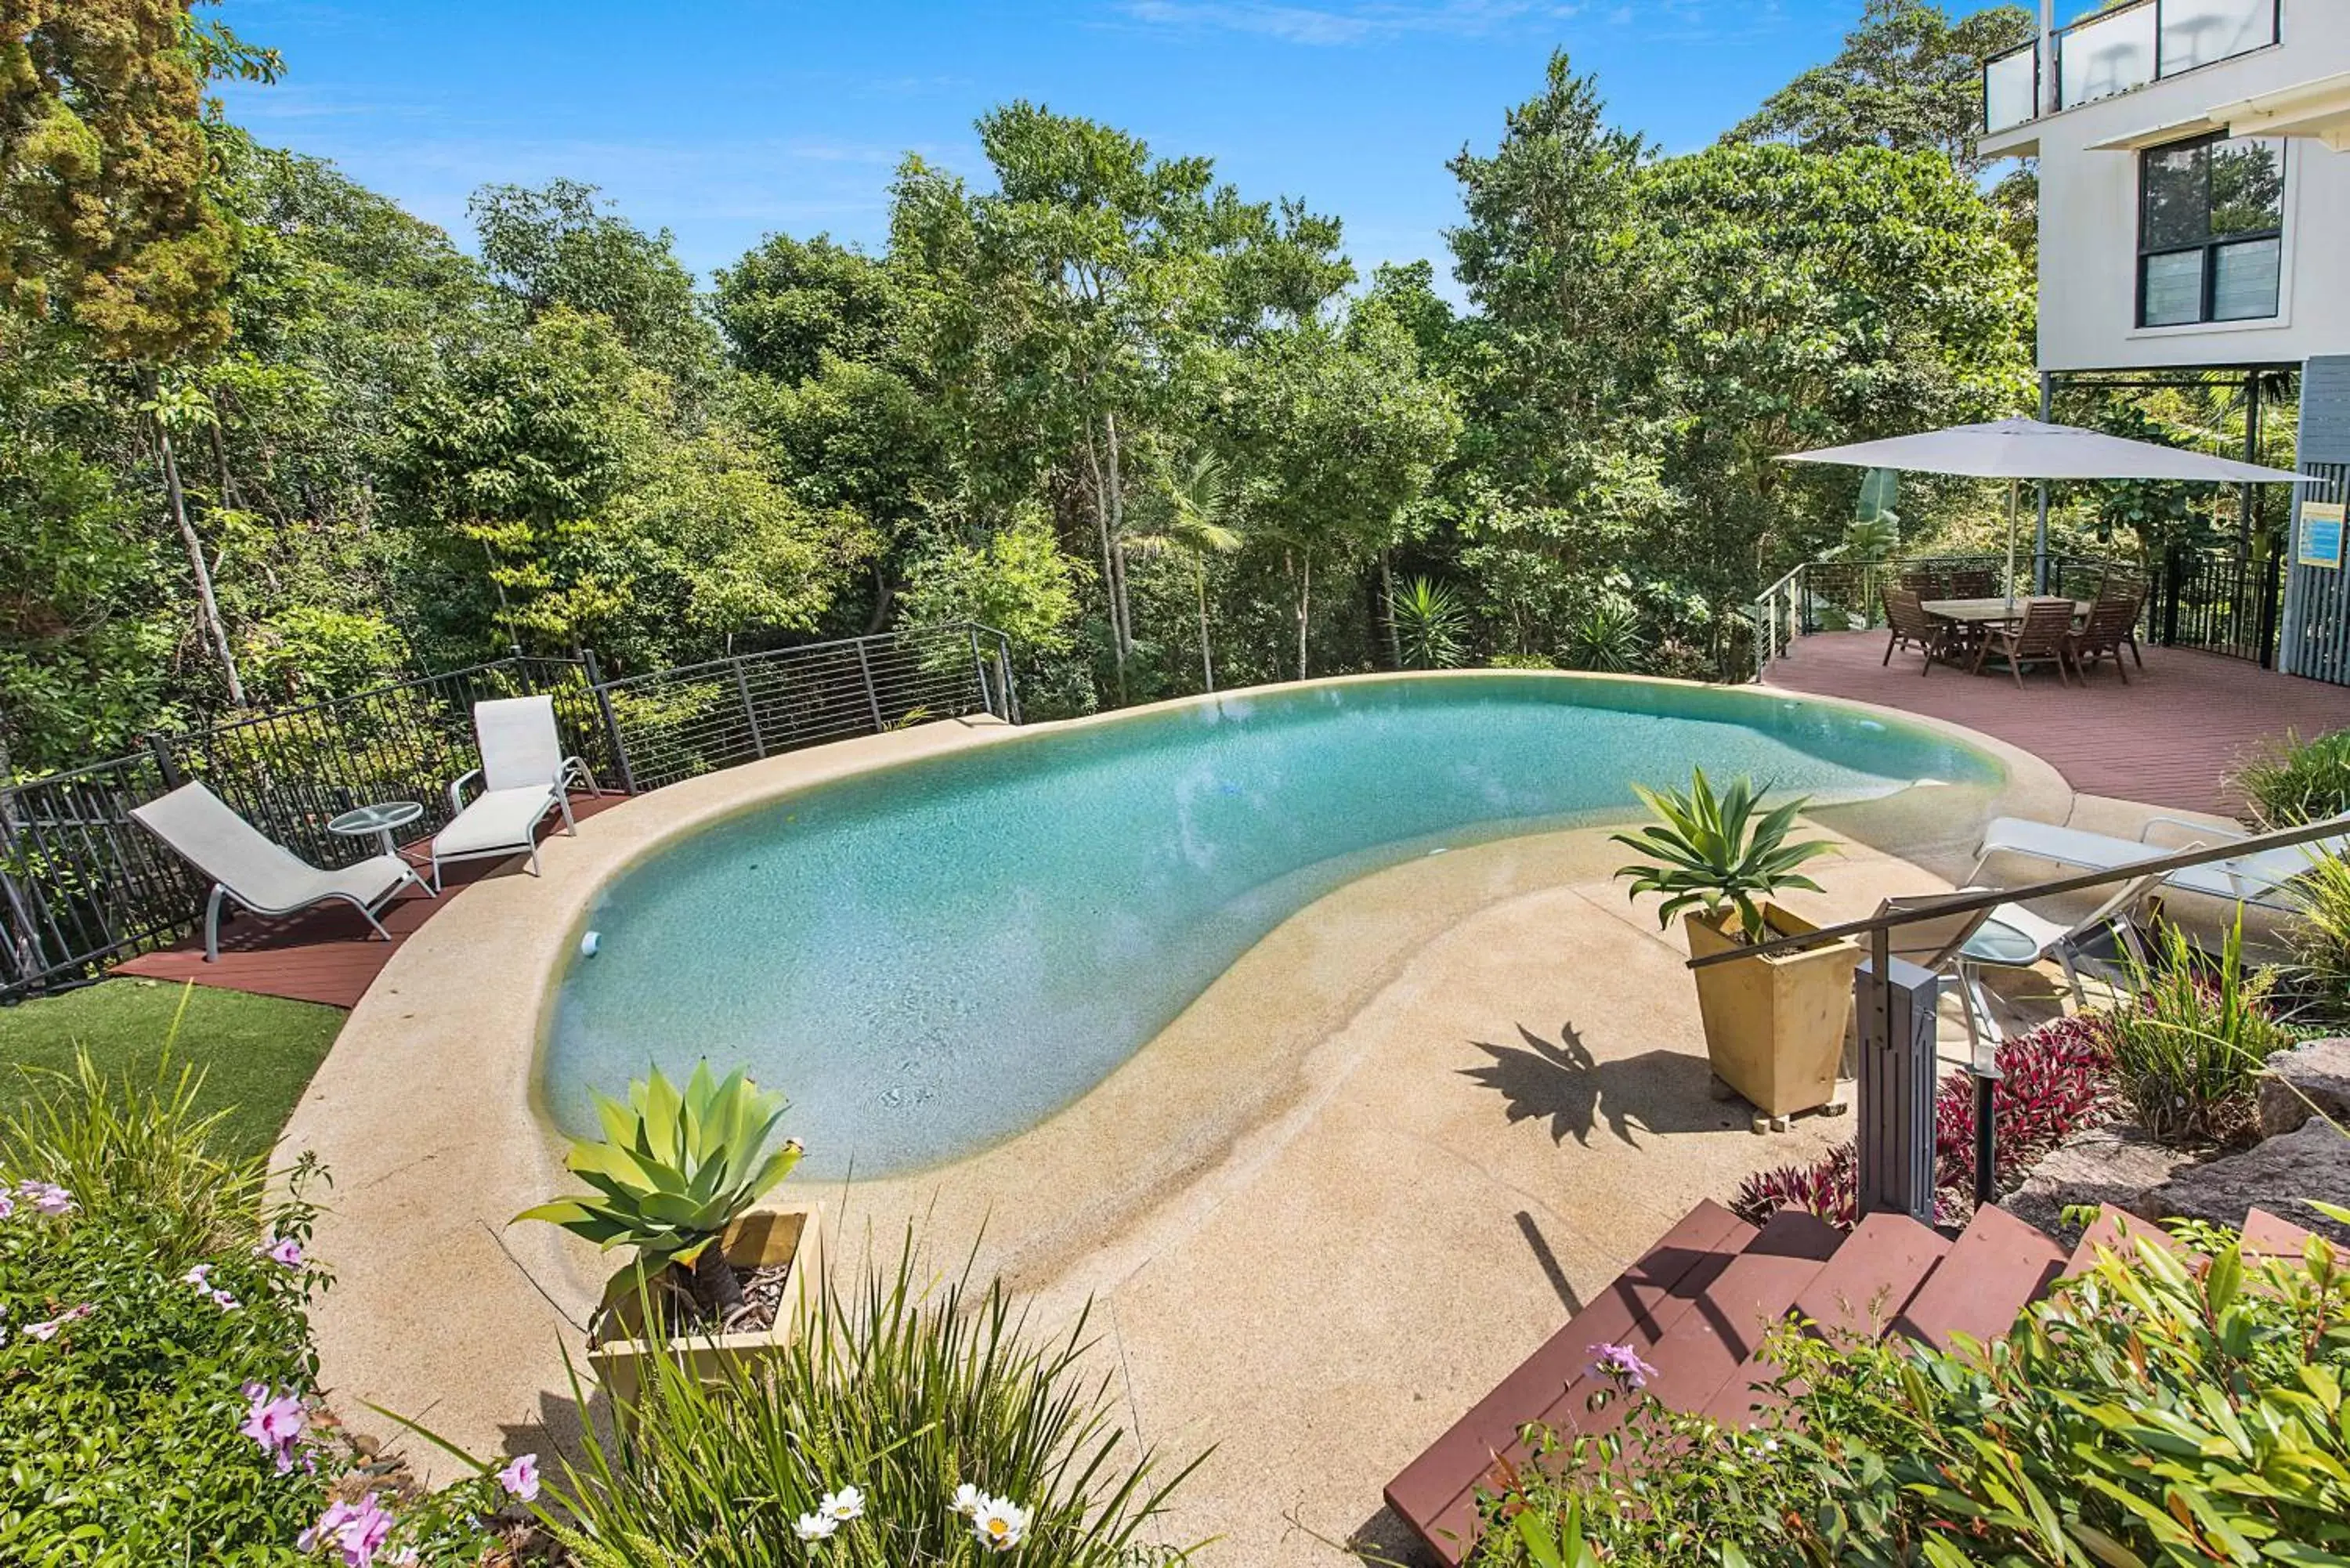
point(255, 1053)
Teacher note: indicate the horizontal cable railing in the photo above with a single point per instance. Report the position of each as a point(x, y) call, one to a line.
point(82, 884)
point(674, 724)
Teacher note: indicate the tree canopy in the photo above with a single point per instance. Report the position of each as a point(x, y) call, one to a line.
point(270, 438)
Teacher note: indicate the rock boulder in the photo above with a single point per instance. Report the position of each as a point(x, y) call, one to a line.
point(2276, 1175)
point(2310, 1078)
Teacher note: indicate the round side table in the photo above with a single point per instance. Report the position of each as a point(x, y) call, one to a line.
point(382, 819)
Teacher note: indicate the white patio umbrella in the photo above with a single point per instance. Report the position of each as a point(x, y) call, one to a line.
point(2017, 450)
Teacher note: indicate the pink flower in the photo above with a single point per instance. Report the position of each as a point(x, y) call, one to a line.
point(48, 1197)
point(283, 1251)
point(8, 1205)
point(275, 1423)
point(520, 1478)
point(200, 1277)
point(356, 1530)
point(43, 1331)
point(225, 1302)
point(1621, 1365)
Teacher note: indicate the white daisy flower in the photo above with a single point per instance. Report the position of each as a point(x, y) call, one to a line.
point(842, 1506)
point(1000, 1524)
point(968, 1500)
point(814, 1527)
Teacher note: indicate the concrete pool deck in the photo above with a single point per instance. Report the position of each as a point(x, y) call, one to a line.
point(1383, 1156)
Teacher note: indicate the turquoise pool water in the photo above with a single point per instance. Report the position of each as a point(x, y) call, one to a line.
point(934, 956)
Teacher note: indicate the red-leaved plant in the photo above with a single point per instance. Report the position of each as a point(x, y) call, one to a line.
point(2054, 1081)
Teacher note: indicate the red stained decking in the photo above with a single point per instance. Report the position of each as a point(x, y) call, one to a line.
point(2168, 738)
point(326, 954)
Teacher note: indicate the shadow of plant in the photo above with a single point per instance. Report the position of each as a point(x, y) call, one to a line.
point(1659, 1092)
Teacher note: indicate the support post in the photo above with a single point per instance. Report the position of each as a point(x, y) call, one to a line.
point(2039, 503)
point(1003, 679)
point(750, 710)
point(166, 764)
point(979, 668)
point(2045, 84)
point(872, 696)
point(1986, 1136)
point(1896, 1004)
point(603, 696)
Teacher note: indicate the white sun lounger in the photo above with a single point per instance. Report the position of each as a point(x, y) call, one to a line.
point(262, 875)
point(2257, 878)
point(524, 775)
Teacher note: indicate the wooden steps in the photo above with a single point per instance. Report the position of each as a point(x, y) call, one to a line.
point(1699, 1307)
point(1997, 1265)
point(1437, 1491)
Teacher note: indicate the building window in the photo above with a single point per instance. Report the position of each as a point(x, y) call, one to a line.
point(2211, 231)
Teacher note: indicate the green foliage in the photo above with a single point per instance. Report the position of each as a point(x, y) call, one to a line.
point(555, 249)
point(2319, 937)
point(393, 454)
point(790, 304)
point(1654, 332)
point(1714, 854)
point(119, 1436)
point(154, 1294)
point(1016, 580)
point(2190, 1050)
point(1431, 625)
point(138, 1157)
point(2291, 782)
point(902, 1392)
point(673, 1170)
point(1908, 77)
point(1606, 638)
point(106, 219)
point(2146, 1413)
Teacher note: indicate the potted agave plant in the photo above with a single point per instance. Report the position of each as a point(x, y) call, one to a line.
point(1775, 1025)
point(678, 1176)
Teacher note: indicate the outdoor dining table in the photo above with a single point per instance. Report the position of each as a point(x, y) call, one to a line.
point(1991, 612)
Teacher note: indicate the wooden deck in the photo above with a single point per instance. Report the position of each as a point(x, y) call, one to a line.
point(326, 954)
point(2168, 738)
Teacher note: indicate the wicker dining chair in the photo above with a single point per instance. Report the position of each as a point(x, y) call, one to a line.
point(2042, 637)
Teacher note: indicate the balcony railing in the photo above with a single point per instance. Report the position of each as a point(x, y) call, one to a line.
point(2120, 50)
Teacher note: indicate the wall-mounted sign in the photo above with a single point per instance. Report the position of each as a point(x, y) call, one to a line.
point(2321, 534)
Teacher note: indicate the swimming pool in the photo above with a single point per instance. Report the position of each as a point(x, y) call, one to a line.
point(932, 957)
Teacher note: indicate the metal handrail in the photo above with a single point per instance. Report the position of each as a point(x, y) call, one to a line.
point(1967, 903)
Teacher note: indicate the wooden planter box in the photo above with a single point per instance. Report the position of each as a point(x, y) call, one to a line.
point(760, 1239)
point(1774, 1027)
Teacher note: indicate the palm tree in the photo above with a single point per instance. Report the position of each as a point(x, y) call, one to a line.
point(1196, 499)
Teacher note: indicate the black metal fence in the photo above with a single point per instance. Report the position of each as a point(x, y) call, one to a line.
point(675, 723)
point(82, 885)
point(2220, 601)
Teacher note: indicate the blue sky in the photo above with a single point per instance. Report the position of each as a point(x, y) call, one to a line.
point(725, 119)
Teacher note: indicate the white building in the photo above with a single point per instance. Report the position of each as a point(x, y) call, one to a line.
point(2194, 182)
point(2195, 215)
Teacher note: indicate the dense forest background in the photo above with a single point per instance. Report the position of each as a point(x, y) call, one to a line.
point(268, 438)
